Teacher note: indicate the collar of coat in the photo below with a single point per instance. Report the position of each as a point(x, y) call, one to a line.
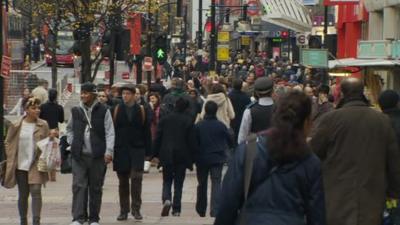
point(39, 123)
point(355, 103)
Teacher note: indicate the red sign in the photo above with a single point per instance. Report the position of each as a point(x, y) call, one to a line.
point(135, 27)
point(5, 66)
point(148, 64)
point(341, 2)
point(253, 8)
point(125, 75)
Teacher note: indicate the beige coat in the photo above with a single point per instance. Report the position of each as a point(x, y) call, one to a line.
point(360, 163)
point(11, 143)
point(225, 111)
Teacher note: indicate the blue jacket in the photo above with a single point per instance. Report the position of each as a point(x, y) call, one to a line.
point(292, 194)
point(213, 139)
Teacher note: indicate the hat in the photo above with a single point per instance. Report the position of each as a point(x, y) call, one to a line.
point(388, 99)
point(89, 87)
point(263, 85)
point(128, 87)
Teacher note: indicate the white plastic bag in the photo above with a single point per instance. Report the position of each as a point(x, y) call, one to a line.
point(147, 165)
point(50, 158)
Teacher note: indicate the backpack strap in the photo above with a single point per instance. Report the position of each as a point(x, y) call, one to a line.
point(115, 113)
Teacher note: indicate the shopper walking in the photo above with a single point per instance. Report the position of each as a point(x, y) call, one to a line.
point(213, 139)
point(283, 183)
point(360, 159)
point(90, 132)
point(22, 160)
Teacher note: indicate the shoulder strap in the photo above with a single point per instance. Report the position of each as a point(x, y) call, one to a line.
point(251, 151)
point(115, 113)
point(143, 114)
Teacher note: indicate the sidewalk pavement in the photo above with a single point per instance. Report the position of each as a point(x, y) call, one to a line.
point(57, 197)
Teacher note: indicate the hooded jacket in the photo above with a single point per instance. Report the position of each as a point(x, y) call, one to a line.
point(225, 111)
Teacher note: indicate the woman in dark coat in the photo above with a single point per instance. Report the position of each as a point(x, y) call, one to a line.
point(173, 146)
point(286, 185)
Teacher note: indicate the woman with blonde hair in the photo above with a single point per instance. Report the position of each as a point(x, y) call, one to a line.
point(22, 160)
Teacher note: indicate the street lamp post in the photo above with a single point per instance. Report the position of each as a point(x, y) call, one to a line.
point(1, 87)
point(213, 37)
point(149, 37)
point(200, 29)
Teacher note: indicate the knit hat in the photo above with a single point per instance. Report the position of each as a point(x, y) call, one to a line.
point(388, 99)
point(89, 87)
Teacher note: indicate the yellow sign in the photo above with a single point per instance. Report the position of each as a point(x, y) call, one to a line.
point(223, 36)
point(223, 53)
point(245, 40)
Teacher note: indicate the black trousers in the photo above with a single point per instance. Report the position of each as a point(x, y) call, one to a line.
point(87, 188)
point(215, 172)
point(173, 174)
point(131, 191)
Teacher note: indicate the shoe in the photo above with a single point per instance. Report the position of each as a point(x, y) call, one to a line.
point(136, 214)
point(76, 223)
point(122, 216)
point(176, 214)
point(166, 208)
point(94, 223)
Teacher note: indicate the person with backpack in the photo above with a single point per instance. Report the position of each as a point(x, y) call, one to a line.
point(132, 146)
point(174, 146)
point(275, 179)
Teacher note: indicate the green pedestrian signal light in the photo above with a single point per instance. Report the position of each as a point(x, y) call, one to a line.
point(160, 54)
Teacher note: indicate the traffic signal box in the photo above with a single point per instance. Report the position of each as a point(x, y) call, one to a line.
point(160, 50)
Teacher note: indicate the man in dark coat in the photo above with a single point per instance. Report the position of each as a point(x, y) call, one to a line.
point(174, 145)
point(360, 159)
point(389, 103)
point(240, 101)
point(132, 145)
point(213, 140)
point(51, 111)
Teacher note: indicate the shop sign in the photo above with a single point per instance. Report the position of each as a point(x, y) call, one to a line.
point(315, 58)
point(245, 40)
point(223, 36)
point(223, 53)
point(374, 49)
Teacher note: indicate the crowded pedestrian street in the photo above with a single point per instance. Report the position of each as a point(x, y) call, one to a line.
point(57, 202)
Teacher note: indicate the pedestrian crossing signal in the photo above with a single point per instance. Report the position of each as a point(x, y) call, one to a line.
point(161, 49)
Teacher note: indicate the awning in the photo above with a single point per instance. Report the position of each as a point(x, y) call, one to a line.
point(290, 14)
point(349, 62)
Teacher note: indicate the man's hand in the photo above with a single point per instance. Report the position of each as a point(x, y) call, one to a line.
point(108, 159)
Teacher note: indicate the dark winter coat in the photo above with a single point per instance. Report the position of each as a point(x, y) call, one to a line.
point(289, 194)
point(360, 163)
point(213, 139)
point(175, 140)
point(132, 139)
point(394, 115)
point(239, 101)
point(53, 113)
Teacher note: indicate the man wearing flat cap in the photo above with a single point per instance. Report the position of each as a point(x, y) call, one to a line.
point(132, 146)
point(90, 132)
point(257, 116)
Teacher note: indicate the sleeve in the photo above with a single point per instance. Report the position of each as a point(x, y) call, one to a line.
point(61, 115)
point(245, 126)
point(158, 140)
point(393, 162)
point(315, 204)
point(320, 138)
point(110, 134)
point(231, 111)
point(69, 128)
point(147, 131)
point(232, 194)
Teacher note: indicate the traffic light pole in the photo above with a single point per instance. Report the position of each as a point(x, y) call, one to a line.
point(2, 156)
point(213, 38)
point(185, 33)
point(200, 29)
point(149, 37)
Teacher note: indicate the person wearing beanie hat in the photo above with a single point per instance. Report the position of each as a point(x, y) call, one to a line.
point(257, 116)
point(389, 103)
point(90, 132)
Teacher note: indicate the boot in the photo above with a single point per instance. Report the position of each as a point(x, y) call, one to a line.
point(136, 214)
